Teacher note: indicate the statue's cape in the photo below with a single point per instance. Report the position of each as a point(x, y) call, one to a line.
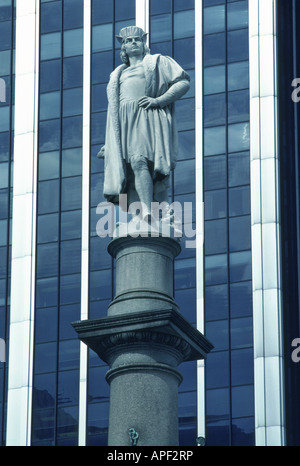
point(160, 73)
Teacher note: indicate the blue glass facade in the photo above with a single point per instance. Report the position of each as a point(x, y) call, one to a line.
point(7, 34)
point(58, 265)
point(107, 20)
point(228, 287)
point(172, 33)
point(289, 69)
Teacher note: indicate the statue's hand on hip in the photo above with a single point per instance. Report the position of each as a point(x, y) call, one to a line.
point(101, 153)
point(148, 102)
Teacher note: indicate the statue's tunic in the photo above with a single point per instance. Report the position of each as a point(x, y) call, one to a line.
point(134, 131)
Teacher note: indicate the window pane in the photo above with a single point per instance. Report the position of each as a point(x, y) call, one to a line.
point(72, 72)
point(102, 66)
point(239, 201)
point(238, 76)
point(5, 57)
point(215, 236)
point(214, 79)
point(70, 257)
point(241, 299)
point(184, 177)
point(100, 285)
point(49, 135)
point(215, 110)
point(185, 273)
point(3, 175)
point(49, 105)
point(5, 35)
point(185, 113)
point(70, 289)
point(51, 46)
point(48, 165)
point(239, 137)
point(186, 145)
point(50, 75)
point(238, 169)
point(72, 102)
point(71, 162)
point(217, 402)
point(161, 28)
point(184, 52)
point(102, 37)
point(73, 13)
point(46, 292)
point(237, 15)
point(72, 132)
point(216, 302)
point(51, 17)
point(239, 395)
point(240, 233)
point(238, 106)
point(47, 228)
point(73, 42)
point(240, 266)
point(214, 19)
point(48, 196)
point(215, 172)
point(217, 370)
point(242, 366)
point(215, 204)
point(214, 140)
point(238, 45)
point(184, 24)
point(71, 225)
point(47, 260)
point(216, 269)
point(3, 232)
point(214, 49)
point(4, 118)
point(102, 11)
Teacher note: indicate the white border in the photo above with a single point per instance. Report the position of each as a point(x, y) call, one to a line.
point(265, 226)
point(21, 336)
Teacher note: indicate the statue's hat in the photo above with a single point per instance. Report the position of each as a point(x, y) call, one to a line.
point(131, 31)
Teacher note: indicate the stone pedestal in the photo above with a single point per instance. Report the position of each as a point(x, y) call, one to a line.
point(143, 340)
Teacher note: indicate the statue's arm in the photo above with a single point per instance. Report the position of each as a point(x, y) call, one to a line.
point(175, 92)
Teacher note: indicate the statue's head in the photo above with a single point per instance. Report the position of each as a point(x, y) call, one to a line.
point(131, 31)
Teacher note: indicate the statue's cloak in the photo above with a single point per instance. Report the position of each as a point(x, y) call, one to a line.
point(160, 73)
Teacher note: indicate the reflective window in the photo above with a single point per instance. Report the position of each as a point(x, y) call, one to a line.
point(237, 15)
point(240, 266)
point(215, 236)
point(48, 198)
point(51, 17)
point(215, 110)
point(214, 80)
point(238, 106)
point(71, 132)
point(241, 299)
point(50, 75)
point(48, 165)
point(73, 42)
point(240, 233)
point(238, 169)
point(49, 105)
point(51, 46)
point(71, 193)
point(214, 51)
point(215, 172)
point(217, 370)
point(72, 162)
point(72, 72)
point(216, 269)
point(73, 13)
point(48, 228)
point(238, 76)
point(102, 37)
point(161, 27)
point(214, 140)
point(5, 35)
point(71, 225)
point(215, 204)
point(216, 299)
point(237, 45)
point(5, 58)
point(214, 19)
point(70, 257)
point(70, 289)
point(49, 135)
point(47, 260)
point(239, 201)
point(72, 101)
point(184, 24)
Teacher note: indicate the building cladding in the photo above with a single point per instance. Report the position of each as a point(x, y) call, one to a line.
point(238, 157)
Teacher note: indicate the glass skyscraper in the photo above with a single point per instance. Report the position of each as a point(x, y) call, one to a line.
point(238, 167)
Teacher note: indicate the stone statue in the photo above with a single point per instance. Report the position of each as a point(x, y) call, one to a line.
point(141, 137)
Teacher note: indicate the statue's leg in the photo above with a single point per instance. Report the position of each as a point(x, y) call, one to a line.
point(143, 183)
